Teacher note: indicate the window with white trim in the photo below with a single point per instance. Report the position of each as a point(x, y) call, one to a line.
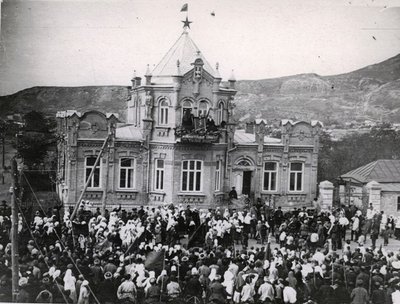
point(159, 175)
point(89, 165)
point(296, 177)
point(163, 118)
point(218, 176)
point(270, 176)
point(191, 175)
point(127, 173)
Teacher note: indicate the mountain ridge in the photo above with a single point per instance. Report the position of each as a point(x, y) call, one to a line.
point(372, 92)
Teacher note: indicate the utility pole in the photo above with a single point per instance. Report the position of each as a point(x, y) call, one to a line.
point(14, 230)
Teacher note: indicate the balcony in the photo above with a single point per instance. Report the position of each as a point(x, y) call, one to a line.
point(199, 130)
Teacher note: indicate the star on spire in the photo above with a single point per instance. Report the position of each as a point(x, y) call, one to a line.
point(186, 23)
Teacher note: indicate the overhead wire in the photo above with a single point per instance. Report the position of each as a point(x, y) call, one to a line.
point(38, 247)
point(57, 235)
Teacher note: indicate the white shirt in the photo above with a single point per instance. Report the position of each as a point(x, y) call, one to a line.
point(289, 295)
point(265, 291)
point(370, 214)
point(396, 296)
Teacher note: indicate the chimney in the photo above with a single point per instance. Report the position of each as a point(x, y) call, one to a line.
point(217, 78)
point(249, 127)
point(148, 76)
point(232, 81)
point(136, 81)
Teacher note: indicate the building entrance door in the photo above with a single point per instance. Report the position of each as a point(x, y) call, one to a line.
point(246, 186)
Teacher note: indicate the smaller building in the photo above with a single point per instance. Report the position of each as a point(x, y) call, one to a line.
point(376, 183)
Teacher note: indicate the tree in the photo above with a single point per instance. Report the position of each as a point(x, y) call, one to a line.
point(356, 150)
point(36, 138)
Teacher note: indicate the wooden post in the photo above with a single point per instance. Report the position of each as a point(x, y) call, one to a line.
point(89, 178)
point(104, 200)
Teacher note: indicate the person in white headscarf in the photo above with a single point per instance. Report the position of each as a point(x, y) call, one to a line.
point(229, 281)
point(84, 293)
point(69, 284)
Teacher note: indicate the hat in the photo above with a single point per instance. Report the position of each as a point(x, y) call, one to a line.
point(396, 264)
point(185, 259)
point(23, 282)
point(195, 271)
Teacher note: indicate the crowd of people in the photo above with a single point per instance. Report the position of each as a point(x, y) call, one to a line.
point(178, 254)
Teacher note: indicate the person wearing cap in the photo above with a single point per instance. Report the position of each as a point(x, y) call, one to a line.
point(97, 271)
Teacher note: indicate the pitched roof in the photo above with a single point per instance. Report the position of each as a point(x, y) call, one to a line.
point(184, 50)
point(381, 171)
point(241, 137)
point(129, 132)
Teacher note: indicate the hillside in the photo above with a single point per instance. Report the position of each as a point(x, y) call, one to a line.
point(53, 99)
point(372, 92)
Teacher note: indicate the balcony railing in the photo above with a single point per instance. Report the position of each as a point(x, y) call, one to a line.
point(199, 130)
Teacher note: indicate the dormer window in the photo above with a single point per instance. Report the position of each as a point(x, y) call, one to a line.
point(197, 72)
point(198, 69)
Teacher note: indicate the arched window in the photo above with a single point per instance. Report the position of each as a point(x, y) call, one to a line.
point(203, 108)
point(244, 163)
point(220, 113)
point(186, 112)
point(163, 114)
point(138, 103)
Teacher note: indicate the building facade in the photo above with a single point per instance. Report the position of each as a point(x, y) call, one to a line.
point(376, 183)
point(180, 144)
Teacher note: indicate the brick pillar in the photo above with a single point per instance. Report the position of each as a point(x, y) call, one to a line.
point(326, 195)
point(373, 190)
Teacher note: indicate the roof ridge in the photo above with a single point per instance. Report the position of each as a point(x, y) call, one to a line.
point(168, 53)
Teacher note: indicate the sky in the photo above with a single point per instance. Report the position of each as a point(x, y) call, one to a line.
point(101, 42)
